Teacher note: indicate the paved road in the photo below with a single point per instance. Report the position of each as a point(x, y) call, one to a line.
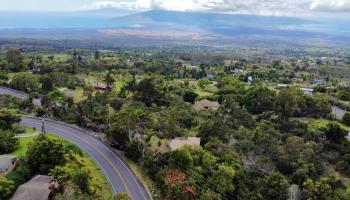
point(18, 94)
point(338, 112)
point(120, 177)
point(12, 92)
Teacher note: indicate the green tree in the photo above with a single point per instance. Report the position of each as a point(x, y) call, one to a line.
point(6, 187)
point(203, 83)
point(318, 190)
point(335, 133)
point(126, 123)
point(97, 55)
point(109, 79)
point(26, 82)
point(15, 60)
point(13, 56)
point(274, 186)
point(346, 119)
point(134, 150)
point(8, 142)
point(46, 84)
point(234, 115)
point(225, 179)
point(81, 179)
point(7, 118)
point(210, 195)
point(189, 96)
point(182, 158)
point(214, 128)
point(287, 102)
point(259, 99)
point(148, 93)
point(44, 154)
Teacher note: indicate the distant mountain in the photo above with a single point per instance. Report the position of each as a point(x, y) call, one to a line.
point(210, 20)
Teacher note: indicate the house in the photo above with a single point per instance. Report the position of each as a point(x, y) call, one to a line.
point(307, 90)
point(100, 86)
point(177, 143)
point(250, 79)
point(38, 188)
point(282, 85)
point(7, 164)
point(318, 81)
point(206, 104)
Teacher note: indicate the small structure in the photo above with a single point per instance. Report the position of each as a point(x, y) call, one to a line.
point(318, 81)
point(307, 90)
point(177, 143)
point(38, 188)
point(250, 79)
point(100, 86)
point(206, 104)
point(282, 85)
point(7, 164)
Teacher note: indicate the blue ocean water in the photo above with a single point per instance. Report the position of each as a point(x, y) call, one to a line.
point(9, 20)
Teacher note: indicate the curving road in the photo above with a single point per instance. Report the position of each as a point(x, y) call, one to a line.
point(12, 92)
point(18, 94)
point(119, 175)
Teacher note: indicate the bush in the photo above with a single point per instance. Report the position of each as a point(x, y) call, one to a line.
point(8, 142)
point(346, 119)
point(81, 179)
point(44, 154)
point(134, 150)
point(6, 187)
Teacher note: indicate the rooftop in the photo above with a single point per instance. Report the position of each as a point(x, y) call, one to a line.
point(7, 163)
point(38, 188)
point(206, 104)
point(180, 142)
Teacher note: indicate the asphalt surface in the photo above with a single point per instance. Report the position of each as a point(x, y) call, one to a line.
point(18, 94)
point(338, 112)
point(12, 92)
point(120, 177)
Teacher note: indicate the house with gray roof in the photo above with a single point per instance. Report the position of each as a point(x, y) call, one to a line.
point(40, 187)
point(7, 164)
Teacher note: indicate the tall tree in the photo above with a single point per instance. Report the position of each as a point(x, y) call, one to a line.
point(7, 118)
point(8, 142)
point(44, 154)
point(26, 82)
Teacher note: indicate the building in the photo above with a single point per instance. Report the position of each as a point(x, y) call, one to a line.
point(318, 81)
point(307, 90)
point(7, 164)
point(38, 188)
point(206, 104)
point(100, 86)
point(177, 143)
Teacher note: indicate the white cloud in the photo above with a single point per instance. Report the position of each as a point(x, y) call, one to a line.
point(260, 7)
point(331, 5)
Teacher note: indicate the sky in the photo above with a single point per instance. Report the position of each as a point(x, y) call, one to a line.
point(258, 7)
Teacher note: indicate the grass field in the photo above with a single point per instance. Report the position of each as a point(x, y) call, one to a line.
point(315, 124)
point(77, 94)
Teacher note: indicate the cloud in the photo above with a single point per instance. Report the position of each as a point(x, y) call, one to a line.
point(260, 7)
point(331, 5)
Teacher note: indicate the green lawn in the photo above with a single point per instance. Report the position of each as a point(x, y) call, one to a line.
point(29, 130)
point(77, 94)
point(315, 124)
point(23, 143)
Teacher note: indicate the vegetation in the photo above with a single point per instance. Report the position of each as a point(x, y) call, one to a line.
point(269, 138)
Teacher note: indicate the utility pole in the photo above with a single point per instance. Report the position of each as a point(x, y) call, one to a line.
point(43, 126)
